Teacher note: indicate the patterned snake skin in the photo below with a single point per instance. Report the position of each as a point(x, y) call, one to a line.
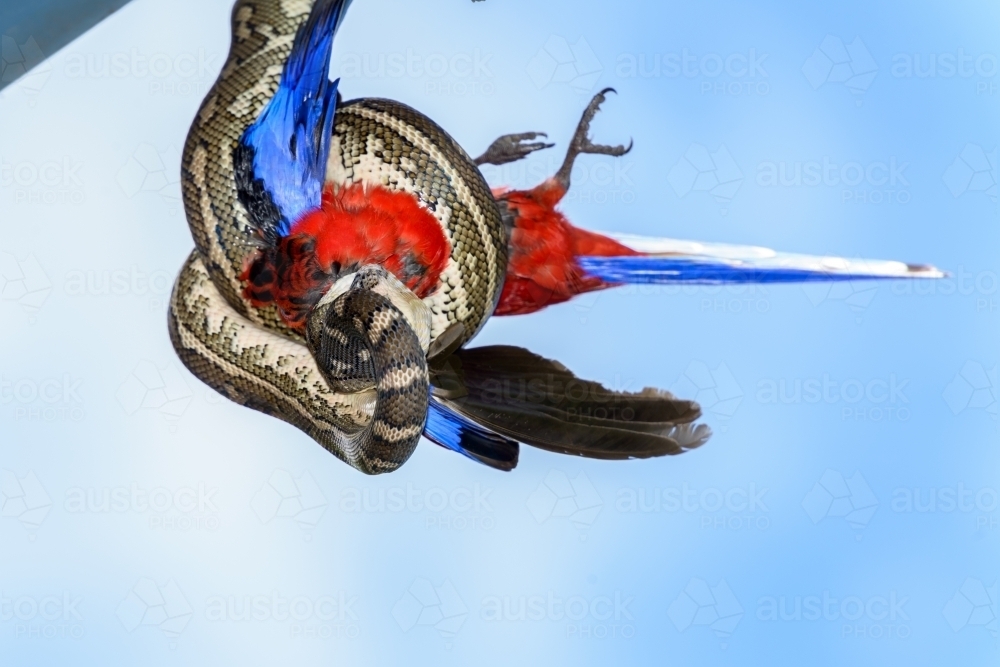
point(357, 381)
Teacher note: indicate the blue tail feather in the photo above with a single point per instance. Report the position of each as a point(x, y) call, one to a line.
point(779, 268)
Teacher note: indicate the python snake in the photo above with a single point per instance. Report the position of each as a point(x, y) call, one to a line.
point(356, 378)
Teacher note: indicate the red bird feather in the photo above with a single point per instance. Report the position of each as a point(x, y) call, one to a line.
point(542, 268)
point(356, 225)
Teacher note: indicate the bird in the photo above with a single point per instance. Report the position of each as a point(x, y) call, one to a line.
point(365, 235)
point(552, 261)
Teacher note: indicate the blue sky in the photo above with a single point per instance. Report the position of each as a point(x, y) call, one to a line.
point(853, 470)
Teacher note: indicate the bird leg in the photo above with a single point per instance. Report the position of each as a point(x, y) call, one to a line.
point(512, 147)
point(581, 142)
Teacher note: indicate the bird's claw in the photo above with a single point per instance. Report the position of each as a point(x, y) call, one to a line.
point(581, 139)
point(512, 147)
point(581, 142)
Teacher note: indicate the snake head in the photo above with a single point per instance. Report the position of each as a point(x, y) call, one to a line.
point(370, 332)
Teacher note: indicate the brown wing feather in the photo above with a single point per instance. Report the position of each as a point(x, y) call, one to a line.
point(540, 402)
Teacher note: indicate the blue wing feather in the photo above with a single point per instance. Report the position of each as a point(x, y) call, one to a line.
point(281, 158)
point(458, 433)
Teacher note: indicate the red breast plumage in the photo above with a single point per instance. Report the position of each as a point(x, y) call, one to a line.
point(356, 225)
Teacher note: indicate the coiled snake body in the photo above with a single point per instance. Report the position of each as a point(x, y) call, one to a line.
point(368, 320)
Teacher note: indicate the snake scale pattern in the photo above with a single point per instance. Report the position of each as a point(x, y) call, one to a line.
point(353, 380)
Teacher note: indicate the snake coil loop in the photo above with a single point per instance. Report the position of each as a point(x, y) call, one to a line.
point(357, 381)
point(361, 338)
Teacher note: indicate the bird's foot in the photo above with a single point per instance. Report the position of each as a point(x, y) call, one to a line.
point(581, 142)
point(512, 147)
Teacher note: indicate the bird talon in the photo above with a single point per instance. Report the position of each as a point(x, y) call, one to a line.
point(512, 147)
point(581, 142)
